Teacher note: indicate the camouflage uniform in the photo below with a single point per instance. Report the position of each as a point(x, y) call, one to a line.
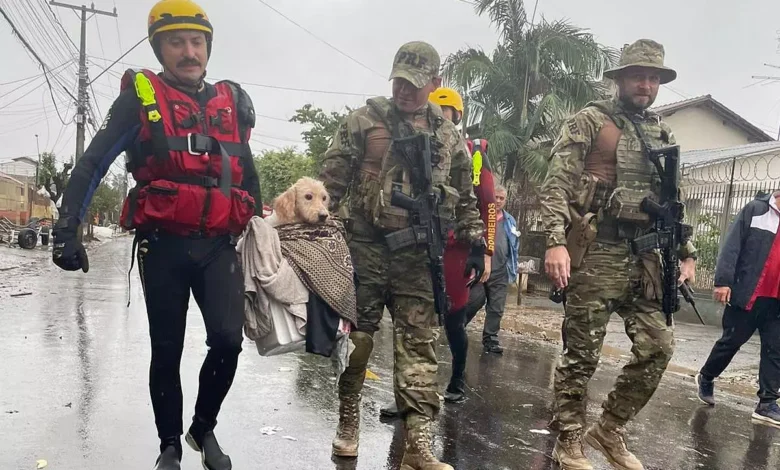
point(601, 143)
point(360, 171)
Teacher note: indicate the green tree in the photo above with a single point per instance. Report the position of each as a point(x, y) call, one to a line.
point(52, 179)
point(279, 169)
point(519, 95)
point(707, 242)
point(107, 201)
point(323, 127)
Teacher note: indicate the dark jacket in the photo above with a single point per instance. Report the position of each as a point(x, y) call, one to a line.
point(745, 251)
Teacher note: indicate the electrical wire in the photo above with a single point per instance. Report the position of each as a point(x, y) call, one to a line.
point(279, 138)
point(262, 85)
point(21, 80)
point(23, 96)
point(322, 40)
point(43, 65)
point(276, 118)
point(62, 28)
point(265, 143)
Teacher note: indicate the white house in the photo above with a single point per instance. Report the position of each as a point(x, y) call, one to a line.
point(705, 123)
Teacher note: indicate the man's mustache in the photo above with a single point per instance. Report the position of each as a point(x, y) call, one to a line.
point(187, 62)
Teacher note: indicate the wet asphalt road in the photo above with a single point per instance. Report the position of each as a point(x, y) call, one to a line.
point(74, 392)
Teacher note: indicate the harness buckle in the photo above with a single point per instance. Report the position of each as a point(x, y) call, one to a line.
point(198, 144)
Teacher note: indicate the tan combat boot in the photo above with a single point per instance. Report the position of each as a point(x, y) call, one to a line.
point(607, 438)
point(568, 452)
point(418, 455)
point(345, 444)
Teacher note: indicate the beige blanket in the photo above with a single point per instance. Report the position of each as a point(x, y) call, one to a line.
point(268, 277)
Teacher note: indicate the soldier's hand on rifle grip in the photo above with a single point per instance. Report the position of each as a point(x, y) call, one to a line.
point(722, 294)
point(557, 265)
point(688, 270)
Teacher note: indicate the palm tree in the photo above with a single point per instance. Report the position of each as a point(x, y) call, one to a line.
point(537, 76)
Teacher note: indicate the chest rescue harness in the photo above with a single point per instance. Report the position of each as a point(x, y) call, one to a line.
point(484, 188)
point(187, 161)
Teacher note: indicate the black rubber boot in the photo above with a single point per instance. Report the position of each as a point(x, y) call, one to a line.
point(211, 455)
point(456, 390)
point(169, 459)
point(390, 410)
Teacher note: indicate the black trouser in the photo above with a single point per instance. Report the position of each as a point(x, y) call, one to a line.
point(455, 327)
point(170, 266)
point(738, 326)
point(492, 295)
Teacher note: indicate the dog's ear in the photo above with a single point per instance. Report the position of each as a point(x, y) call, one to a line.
point(284, 204)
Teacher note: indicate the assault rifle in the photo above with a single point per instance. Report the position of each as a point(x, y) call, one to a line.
point(669, 231)
point(426, 228)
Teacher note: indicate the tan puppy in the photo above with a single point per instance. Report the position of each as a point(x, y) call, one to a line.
point(304, 202)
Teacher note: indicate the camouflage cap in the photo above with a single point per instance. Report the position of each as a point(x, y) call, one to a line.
point(643, 53)
point(417, 62)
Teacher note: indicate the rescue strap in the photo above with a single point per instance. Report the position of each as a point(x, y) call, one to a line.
point(145, 91)
point(476, 162)
point(132, 263)
point(199, 144)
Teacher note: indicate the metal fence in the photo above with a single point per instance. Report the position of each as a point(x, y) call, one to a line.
point(714, 192)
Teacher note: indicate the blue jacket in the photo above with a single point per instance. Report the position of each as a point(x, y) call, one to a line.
point(510, 228)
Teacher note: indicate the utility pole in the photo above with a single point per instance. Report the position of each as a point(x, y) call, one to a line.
point(37, 172)
point(81, 113)
point(81, 106)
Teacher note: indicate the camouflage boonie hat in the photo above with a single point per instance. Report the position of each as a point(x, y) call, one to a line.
point(417, 62)
point(643, 53)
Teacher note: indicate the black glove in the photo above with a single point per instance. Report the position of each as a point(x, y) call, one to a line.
point(68, 253)
point(476, 260)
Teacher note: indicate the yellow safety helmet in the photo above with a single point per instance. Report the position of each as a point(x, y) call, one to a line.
point(447, 97)
point(171, 15)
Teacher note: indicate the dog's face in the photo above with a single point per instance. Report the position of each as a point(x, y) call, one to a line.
point(306, 201)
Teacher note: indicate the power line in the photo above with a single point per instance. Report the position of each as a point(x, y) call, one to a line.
point(22, 80)
point(28, 82)
point(27, 45)
point(322, 40)
point(275, 118)
point(307, 90)
point(62, 28)
point(681, 95)
point(117, 60)
point(261, 85)
point(266, 143)
point(278, 138)
point(40, 85)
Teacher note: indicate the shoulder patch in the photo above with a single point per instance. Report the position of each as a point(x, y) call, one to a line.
point(344, 134)
point(573, 127)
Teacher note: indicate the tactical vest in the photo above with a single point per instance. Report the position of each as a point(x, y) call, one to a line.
point(187, 161)
point(621, 189)
point(380, 170)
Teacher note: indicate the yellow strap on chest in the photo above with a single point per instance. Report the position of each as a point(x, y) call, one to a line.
point(145, 91)
point(476, 163)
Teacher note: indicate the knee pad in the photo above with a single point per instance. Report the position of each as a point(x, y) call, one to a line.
point(364, 345)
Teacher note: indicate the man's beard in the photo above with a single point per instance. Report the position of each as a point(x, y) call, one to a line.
point(629, 103)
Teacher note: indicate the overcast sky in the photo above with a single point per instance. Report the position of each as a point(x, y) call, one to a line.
point(716, 46)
